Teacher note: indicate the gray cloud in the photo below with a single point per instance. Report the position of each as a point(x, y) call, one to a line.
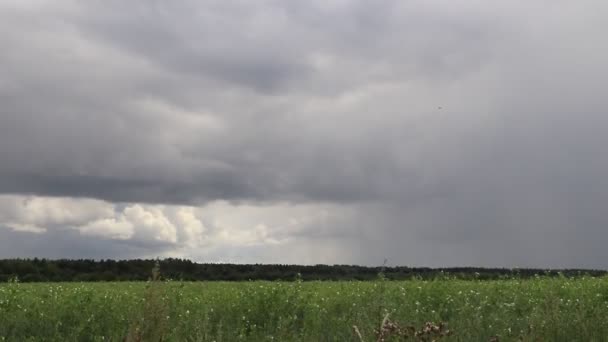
point(453, 132)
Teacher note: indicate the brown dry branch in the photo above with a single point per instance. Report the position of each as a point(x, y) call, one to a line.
point(389, 329)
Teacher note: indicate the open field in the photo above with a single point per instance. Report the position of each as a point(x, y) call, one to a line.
point(554, 309)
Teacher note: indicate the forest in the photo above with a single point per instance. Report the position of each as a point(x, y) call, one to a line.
point(65, 270)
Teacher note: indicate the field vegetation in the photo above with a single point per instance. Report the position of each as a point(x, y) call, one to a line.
point(448, 309)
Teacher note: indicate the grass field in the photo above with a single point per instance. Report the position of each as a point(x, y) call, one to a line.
point(552, 309)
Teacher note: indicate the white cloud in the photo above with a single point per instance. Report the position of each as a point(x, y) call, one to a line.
point(24, 227)
point(151, 223)
point(192, 230)
point(112, 228)
point(51, 211)
point(172, 226)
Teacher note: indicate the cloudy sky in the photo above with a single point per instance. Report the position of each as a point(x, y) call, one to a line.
point(437, 133)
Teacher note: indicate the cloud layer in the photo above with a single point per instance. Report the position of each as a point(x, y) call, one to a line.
point(428, 132)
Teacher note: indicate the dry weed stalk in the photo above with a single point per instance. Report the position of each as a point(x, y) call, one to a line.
point(152, 325)
point(388, 328)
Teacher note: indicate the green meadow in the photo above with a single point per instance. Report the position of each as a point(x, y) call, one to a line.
point(547, 309)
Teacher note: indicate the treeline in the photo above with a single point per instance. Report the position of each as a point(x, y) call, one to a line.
point(40, 270)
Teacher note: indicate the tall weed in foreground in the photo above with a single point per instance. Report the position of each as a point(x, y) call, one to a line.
point(152, 324)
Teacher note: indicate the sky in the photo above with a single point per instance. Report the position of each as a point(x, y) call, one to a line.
point(425, 132)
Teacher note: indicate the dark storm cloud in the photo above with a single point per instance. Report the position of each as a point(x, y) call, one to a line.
point(209, 41)
point(72, 122)
point(456, 131)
